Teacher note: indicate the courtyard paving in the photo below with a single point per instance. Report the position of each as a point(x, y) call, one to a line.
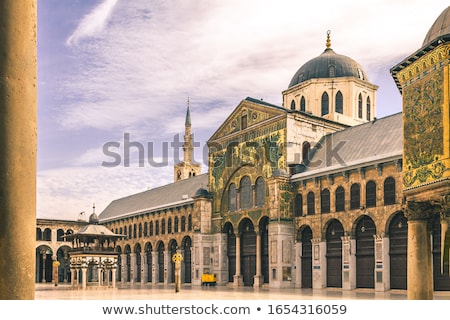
point(188, 292)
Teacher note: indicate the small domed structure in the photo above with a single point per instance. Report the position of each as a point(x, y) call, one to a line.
point(202, 193)
point(439, 28)
point(93, 218)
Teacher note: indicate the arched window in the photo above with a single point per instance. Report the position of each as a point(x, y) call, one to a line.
point(189, 223)
point(310, 203)
point(306, 147)
point(302, 104)
point(245, 193)
point(130, 233)
point(325, 201)
point(389, 191)
point(371, 194)
point(368, 115)
point(140, 230)
point(355, 196)
point(169, 226)
point(259, 190)
point(134, 231)
point(232, 197)
point(175, 227)
point(47, 235)
point(360, 106)
point(340, 199)
point(298, 205)
point(339, 103)
point(151, 229)
point(163, 226)
point(183, 224)
point(293, 105)
point(325, 104)
point(38, 234)
point(156, 228)
point(145, 229)
point(59, 235)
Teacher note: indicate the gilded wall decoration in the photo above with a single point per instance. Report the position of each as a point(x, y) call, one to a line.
point(423, 129)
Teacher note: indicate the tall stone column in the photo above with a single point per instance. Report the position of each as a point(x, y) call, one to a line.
point(420, 267)
point(238, 280)
point(18, 120)
point(258, 278)
point(155, 269)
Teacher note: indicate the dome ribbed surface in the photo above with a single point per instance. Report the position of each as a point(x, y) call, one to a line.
point(328, 65)
point(439, 28)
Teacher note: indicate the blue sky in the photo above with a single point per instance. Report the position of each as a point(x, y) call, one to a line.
point(111, 69)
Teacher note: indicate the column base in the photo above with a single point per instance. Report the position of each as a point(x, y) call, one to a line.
point(258, 281)
point(238, 281)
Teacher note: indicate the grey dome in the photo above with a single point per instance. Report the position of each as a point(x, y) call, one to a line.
point(93, 219)
point(328, 65)
point(201, 193)
point(439, 28)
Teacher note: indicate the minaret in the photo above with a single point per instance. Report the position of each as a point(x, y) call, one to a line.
point(188, 147)
point(187, 168)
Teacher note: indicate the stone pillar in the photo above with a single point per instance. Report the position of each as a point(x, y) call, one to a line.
point(319, 272)
point(155, 273)
point(237, 278)
point(420, 267)
point(167, 260)
point(73, 277)
point(113, 270)
point(100, 276)
point(123, 259)
point(258, 278)
point(44, 259)
point(83, 277)
point(348, 263)
point(298, 265)
point(133, 268)
point(144, 267)
point(382, 262)
point(18, 120)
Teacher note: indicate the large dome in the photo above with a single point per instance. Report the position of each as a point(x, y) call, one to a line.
point(439, 28)
point(328, 65)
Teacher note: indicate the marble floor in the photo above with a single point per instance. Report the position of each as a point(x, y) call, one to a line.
point(187, 292)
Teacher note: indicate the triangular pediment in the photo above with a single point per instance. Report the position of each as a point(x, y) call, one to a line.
point(247, 114)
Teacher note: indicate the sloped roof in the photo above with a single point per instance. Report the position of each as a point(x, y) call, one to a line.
point(93, 230)
point(367, 143)
point(177, 193)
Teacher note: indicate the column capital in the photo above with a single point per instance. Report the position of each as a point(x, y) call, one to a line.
point(445, 205)
point(419, 210)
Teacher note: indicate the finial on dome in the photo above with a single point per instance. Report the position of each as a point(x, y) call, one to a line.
point(328, 44)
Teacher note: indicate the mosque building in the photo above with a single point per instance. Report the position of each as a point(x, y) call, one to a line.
point(310, 194)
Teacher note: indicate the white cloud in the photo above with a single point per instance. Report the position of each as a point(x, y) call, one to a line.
point(65, 192)
point(92, 23)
